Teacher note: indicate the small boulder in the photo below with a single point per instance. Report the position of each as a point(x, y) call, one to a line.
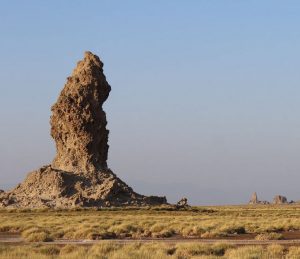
point(279, 199)
point(264, 202)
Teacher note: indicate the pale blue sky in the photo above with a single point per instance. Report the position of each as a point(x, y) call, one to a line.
point(205, 94)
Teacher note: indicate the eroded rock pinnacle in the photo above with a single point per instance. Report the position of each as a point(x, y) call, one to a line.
point(78, 122)
point(78, 175)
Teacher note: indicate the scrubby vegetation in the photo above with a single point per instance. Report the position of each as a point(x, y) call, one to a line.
point(269, 236)
point(36, 234)
point(108, 250)
point(264, 222)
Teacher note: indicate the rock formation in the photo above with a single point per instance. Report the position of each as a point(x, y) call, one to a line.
point(183, 203)
point(254, 199)
point(279, 199)
point(78, 175)
point(78, 122)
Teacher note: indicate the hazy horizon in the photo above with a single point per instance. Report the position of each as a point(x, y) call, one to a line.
point(204, 101)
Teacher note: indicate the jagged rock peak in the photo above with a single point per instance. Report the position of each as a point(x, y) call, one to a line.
point(78, 122)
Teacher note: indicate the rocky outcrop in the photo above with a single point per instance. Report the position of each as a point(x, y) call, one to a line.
point(49, 187)
point(182, 203)
point(254, 199)
point(279, 199)
point(78, 175)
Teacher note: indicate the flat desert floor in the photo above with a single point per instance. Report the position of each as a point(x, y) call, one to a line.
point(262, 231)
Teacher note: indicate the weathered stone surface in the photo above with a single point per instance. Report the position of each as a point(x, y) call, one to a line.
point(78, 175)
point(48, 187)
point(279, 199)
point(78, 122)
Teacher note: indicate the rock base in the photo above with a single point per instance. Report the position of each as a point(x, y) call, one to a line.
point(48, 187)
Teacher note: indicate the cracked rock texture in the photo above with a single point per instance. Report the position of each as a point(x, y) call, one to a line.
point(78, 175)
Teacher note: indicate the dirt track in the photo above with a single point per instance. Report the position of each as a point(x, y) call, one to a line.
point(172, 241)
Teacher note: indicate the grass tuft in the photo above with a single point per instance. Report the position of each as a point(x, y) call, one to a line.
point(269, 236)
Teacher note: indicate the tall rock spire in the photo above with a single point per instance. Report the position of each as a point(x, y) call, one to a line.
point(78, 175)
point(78, 122)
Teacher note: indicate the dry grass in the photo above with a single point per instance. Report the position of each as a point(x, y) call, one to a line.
point(108, 250)
point(269, 236)
point(203, 222)
point(36, 235)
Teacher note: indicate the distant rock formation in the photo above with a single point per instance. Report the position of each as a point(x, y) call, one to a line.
point(279, 199)
point(183, 203)
point(254, 200)
point(78, 175)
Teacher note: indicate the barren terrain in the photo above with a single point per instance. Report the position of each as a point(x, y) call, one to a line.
point(235, 227)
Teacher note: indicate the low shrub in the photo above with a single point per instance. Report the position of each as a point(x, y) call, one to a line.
point(275, 251)
point(49, 250)
point(246, 252)
point(294, 252)
point(36, 235)
point(269, 236)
